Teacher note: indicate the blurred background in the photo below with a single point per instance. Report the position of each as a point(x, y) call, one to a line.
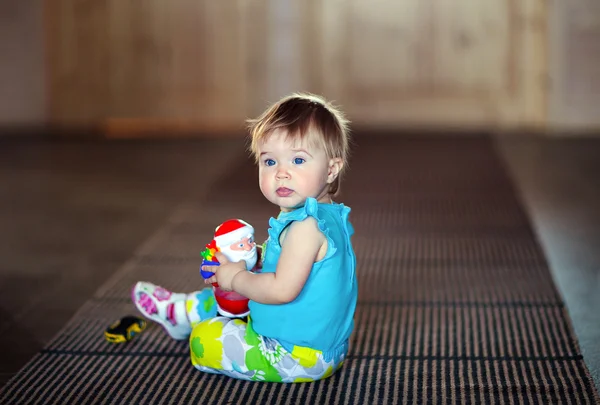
point(201, 66)
point(87, 87)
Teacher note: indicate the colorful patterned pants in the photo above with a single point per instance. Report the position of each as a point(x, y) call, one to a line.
point(231, 347)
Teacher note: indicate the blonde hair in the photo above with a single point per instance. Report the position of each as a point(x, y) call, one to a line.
point(305, 115)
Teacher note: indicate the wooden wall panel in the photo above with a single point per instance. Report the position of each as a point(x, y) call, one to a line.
point(209, 65)
point(79, 59)
point(467, 63)
point(575, 67)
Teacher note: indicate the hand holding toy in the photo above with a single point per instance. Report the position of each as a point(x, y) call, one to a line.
point(234, 239)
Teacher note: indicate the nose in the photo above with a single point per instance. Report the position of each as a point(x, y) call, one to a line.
point(248, 245)
point(282, 173)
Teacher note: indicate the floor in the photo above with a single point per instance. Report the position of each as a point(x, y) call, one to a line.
point(559, 181)
point(71, 213)
point(113, 195)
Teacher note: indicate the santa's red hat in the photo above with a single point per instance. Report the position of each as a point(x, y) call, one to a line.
point(231, 231)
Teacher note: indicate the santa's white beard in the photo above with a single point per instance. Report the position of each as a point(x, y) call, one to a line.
point(249, 256)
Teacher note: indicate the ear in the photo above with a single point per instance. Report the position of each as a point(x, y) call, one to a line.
point(335, 166)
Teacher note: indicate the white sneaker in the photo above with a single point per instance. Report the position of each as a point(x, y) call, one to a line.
point(163, 307)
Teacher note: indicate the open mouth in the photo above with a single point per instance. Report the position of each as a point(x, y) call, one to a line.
point(284, 192)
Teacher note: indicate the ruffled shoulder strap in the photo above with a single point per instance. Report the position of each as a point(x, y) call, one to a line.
point(310, 209)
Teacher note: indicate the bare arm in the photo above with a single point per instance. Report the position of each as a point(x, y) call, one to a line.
point(299, 250)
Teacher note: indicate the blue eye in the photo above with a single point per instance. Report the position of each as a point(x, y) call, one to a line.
point(299, 161)
point(269, 162)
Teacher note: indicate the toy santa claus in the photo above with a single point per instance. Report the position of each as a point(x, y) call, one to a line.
point(234, 238)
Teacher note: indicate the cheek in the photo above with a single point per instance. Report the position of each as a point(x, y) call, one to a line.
point(316, 183)
point(306, 183)
point(263, 181)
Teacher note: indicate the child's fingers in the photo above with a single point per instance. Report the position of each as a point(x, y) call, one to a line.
point(210, 269)
point(221, 258)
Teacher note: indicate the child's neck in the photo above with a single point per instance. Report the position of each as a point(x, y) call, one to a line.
point(325, 199)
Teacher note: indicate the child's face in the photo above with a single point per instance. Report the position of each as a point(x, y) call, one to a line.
point(291, 171)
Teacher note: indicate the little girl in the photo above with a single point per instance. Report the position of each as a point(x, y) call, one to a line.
point(302, 303)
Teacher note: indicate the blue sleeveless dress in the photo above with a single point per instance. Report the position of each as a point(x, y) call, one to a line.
point(322, 316)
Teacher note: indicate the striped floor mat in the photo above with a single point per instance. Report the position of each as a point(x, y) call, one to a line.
point(457, 304)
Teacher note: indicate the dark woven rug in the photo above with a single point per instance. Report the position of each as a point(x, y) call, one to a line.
point(457, 304)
